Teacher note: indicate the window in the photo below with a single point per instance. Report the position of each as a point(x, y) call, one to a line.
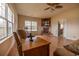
point(31, 25)
point(10, 28)
point(10, 15)
point(2, 28)
point(6, 21)
point(2, 9)
point(10, 21)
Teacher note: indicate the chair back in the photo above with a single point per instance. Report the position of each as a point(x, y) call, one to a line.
point(19, 44)
point(22, 34)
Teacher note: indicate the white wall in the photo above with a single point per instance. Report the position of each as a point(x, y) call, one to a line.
point(71, 23)
point(54, 26)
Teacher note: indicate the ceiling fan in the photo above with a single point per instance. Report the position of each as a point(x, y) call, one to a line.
point(53, 6)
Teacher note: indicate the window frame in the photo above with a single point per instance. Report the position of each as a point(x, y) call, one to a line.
point(31, 26)
point(6, 28)
point(7, 21)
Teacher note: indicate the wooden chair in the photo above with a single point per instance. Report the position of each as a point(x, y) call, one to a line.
point(19, 44)
point(22, 34)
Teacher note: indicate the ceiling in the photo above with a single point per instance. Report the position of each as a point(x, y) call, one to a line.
point(37, 9)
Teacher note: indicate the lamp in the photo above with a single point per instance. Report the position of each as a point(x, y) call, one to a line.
point(31, 33)
point(31, 37)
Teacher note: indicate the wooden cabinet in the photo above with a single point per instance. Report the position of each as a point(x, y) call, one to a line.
point(46, 23)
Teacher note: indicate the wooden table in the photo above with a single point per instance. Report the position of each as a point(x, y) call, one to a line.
point(39, 47)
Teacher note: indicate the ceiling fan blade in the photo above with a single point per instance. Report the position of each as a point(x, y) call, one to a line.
point(58, 6)
point(53, 4)
point(52, 9)
point(46, 8)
